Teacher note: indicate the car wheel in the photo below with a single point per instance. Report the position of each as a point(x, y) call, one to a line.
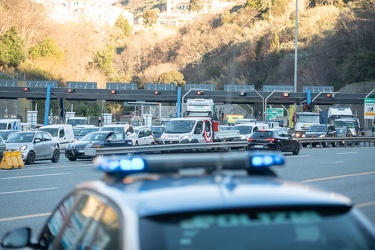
point(325, 144)
point(56, 156)
point(136, 143)
point(335, 144)
point(30, 158)
point(304, 145)
point(297, 149)
point(278, 147)
point(72, 158)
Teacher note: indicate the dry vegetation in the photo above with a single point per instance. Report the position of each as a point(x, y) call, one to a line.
point(244, 46)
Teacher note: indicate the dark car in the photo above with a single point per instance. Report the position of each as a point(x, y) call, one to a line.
point(320, 131)
point(273, 139)
point(157, 131)
point(201, 201)
point(76, 150)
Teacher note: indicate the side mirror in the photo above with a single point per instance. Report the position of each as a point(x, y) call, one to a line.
point(37, 140)
point(17, 238)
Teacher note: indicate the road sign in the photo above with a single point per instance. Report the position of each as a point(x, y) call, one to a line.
point(369, 108)
point(273, 113)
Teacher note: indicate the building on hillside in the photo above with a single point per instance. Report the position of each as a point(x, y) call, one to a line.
point(178, 11)
point(208, 6)
point(98, 11)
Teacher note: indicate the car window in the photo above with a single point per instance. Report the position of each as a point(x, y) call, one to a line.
point(300, 228)
point(140, 133)
point(47, 137)
point(61, 132)
point(39, 136)
point(91, 224)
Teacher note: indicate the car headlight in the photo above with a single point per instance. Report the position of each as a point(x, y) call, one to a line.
point(298, 135)
point(322, 136)
point(162, 137)
point(185, 137)
point(23, 147)
point(243, 137)
point(303, 136)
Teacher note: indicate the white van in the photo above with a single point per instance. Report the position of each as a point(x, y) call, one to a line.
point(62, 133)
point(10, 124)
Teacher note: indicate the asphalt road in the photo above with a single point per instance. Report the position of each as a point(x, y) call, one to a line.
point(27, 196)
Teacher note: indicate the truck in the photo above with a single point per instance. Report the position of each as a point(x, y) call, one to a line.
point(199, 125)
point(302, 118)
point(91, 120)
point(344, 117)
point(10, 124)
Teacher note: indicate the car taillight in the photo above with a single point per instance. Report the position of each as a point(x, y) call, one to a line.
point(250, 139)
point(271, 139)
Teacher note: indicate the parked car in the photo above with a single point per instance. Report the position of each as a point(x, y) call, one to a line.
point(76, 150)
point(320, 131)
point(6, 133)
point(157, 131)
point(34, 146)
point(62, 133)
point(236, 202)
point(144, 136)
point(273, 139)
point(2, 147)
point(84, 131)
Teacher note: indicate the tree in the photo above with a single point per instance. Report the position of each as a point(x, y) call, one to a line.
point(124, 25)
point(150, 17)
point(172, 77)
point(196, 5)
point(104, 60)
point(47, 48)
point(12, 49)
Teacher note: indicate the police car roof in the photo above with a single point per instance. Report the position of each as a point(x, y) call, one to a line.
point(161, 190)
point(174, 195)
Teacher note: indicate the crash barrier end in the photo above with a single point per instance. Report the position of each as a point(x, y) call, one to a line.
point(12, 159)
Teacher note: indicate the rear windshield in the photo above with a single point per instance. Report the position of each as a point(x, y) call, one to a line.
point(261, 134)
point(311, 228)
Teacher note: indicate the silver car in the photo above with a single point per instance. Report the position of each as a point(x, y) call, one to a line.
point(2, 147)
point(34, 145)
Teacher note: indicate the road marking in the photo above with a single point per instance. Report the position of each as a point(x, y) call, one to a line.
point(24, 217)
point(334, 162)
point(338, 177)
point(32, 176)
point(346, 153)
point(372, 203)
point(299, 156)
point(30, 190)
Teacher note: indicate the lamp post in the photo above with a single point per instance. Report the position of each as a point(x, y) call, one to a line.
point(262, 101)
point(296, 49)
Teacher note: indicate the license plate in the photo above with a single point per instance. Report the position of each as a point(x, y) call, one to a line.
point(81, 151)
point(258, 146)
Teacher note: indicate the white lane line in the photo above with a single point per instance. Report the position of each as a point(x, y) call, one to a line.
point(32, 176)
point(334, 162)
point(338, 177)
point(29, 190)
point(299, 156)
point(372, 203)
point(346, 153)
point(24, 217)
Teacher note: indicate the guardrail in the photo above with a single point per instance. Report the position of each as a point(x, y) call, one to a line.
point(225, 146)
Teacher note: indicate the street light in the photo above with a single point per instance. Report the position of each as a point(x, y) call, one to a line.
point(296, 49)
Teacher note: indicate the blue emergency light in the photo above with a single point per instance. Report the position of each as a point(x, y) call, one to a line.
point(210, 162)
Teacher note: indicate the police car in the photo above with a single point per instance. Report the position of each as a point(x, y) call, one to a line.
point(200, 201)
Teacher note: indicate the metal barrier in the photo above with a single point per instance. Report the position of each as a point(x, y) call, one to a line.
point(225, 146)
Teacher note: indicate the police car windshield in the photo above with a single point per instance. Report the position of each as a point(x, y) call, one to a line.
point(267, 229)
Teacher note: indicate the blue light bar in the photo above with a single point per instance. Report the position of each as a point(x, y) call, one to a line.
point(210, 162)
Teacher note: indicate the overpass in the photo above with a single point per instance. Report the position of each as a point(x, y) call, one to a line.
point(170, 96)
